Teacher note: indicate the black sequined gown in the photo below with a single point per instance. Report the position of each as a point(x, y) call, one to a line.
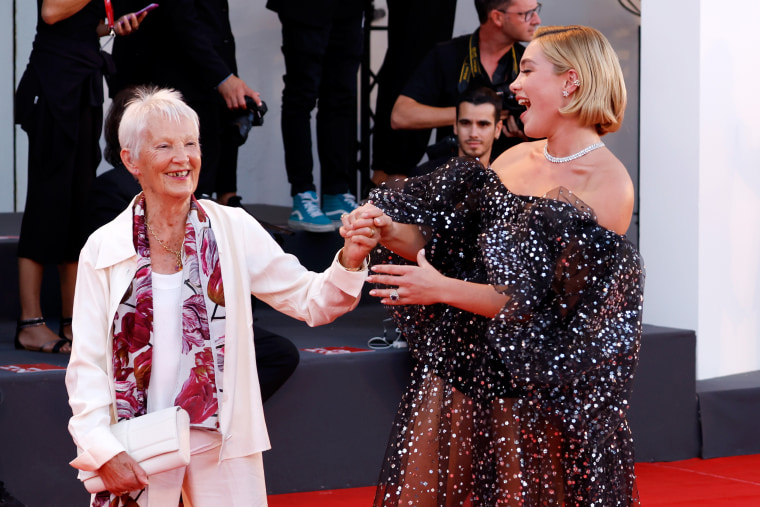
point(527, 408)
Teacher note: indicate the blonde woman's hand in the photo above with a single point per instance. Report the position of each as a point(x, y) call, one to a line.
point(409, 285)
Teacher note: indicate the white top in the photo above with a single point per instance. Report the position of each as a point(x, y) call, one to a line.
point(167, 340)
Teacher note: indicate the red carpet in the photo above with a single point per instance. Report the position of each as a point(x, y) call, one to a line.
point(720, 482)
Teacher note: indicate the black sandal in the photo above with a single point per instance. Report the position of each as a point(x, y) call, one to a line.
point(65, 322)
point(38, 321)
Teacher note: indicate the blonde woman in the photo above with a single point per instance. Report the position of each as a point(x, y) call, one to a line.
point(562, 295)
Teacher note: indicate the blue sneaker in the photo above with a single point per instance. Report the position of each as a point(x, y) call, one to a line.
point(307, 216)
point(335, 205)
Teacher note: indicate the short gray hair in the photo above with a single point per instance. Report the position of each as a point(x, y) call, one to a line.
point(149, 101)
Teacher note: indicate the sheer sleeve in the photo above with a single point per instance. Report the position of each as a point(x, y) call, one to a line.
point(448, 206)
point(569, 336)
point(575, 294)
point(445, 205)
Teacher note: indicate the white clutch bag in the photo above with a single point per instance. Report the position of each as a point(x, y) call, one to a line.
point(159, 441)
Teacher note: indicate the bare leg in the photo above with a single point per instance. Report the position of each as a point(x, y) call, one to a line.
point(507, 448)
point(67, 272)
point(30, 287)
point(438, 418)
point(459, 483)
point(420, 478)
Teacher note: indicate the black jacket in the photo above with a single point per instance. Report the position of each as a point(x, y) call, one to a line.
point(185, 44)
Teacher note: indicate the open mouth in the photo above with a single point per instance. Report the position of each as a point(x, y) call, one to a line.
point(178, 174)
point(523, 102)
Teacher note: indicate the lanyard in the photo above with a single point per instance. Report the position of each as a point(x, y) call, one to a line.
point(471, 65)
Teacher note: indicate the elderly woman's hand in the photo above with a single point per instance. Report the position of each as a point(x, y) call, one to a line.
point(362, 229)
point(360, 238)
point(122, 474)
point(367, 220)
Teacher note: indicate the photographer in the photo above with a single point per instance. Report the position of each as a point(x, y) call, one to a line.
point(188, 45)
point(489, 57)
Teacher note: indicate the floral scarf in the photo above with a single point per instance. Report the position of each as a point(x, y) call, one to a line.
point(202, 354)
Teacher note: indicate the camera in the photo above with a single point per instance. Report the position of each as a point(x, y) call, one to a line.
point(242, 122)
point(509, 104)
point(446, 147)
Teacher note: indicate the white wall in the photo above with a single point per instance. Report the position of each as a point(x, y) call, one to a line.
point(13, 140)
point(261, 165)
point(6, 108)
point(700, 224)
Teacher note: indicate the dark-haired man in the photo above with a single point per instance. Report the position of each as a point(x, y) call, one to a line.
point(489, 57)
point(478, 125)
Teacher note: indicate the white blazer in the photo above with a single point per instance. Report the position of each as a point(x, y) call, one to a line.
point(252, 263)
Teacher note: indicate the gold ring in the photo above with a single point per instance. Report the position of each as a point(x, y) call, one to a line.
point(344, 215)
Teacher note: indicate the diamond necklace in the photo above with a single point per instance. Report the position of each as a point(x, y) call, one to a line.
point(559, 160)
point(176, 253)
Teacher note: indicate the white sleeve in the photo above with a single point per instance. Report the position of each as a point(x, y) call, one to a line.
point(87, 376)
point(281, 281)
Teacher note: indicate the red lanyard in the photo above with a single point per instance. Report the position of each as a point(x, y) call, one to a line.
point(109, 15)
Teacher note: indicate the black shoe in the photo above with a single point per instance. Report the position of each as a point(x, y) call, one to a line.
point(7, 500)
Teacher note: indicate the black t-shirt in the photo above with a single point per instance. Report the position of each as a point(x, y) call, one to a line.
point(436, 82)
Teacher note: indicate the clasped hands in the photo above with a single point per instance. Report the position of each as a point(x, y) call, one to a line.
point(406, 284)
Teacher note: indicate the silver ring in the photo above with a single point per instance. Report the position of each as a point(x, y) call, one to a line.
point(371, 232)
point(394, 295)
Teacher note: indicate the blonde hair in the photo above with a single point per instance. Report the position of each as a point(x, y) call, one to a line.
point(146, 102)
point(601, 97)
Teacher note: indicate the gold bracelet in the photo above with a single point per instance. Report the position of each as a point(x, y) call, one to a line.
point(360, 268)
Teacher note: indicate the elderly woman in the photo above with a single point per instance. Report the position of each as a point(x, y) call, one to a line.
point(530, 408)
point(162, 298)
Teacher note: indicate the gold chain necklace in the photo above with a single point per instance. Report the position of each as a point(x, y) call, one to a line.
point(176, 253)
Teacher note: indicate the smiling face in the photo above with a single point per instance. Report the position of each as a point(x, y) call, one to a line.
point(169, 160)
point(539, 88)
point(476, 130)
